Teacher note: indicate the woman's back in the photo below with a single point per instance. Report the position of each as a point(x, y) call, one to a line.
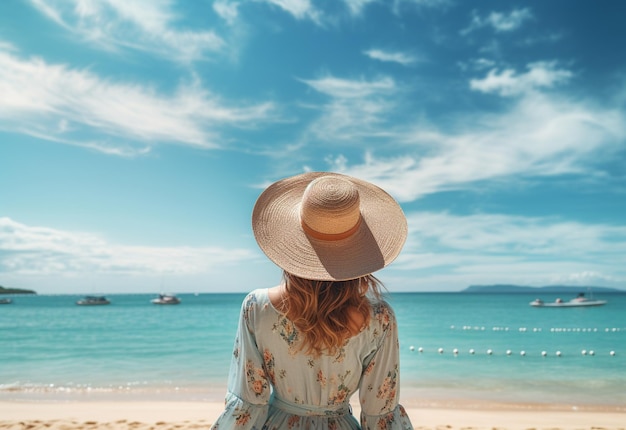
point(303, 378)
point(311, 391)
point(303, 348)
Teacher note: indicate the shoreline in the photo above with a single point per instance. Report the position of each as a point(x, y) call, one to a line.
point(160, 414)
point(411, 398)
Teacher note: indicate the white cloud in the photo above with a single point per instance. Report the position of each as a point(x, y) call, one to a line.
point(507, 82)
point(6, 46)
point(77, 107)
point(500, 22)
point(392, 57)
point(356, 6)
point(347, 89)
point(356, 107)
point(512, 21)
point(145, 25)
point(454, 251)
point(477, 64)
point(36, 251)
point(538, 136)
point(507, 235)
point(586, 278)
point(228, 10)
point(299, 9)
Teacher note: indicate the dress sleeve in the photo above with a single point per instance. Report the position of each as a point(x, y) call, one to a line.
point(248, 385)
point(379, 390)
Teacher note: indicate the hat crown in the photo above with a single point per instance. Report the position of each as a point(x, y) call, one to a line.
point(330, 206)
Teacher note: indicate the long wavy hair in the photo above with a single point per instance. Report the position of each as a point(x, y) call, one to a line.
point(323, 311)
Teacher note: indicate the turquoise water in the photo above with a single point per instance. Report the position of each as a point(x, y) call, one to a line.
point(51, 347)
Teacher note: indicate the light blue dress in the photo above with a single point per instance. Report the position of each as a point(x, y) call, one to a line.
point(274, 386)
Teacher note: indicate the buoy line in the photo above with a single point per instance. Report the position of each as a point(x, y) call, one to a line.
point(540, 329)
point(508, 352)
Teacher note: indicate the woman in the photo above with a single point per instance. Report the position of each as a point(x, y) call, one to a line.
point(304, 347)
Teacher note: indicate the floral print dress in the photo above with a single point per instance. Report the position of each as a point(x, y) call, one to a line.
point(274, 386)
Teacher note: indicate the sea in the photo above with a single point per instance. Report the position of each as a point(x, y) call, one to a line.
point(455, 347)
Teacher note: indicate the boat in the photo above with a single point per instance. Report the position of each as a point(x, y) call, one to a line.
point(577, 301)
point(166, 299)
point(5, 301)
point(93, 301)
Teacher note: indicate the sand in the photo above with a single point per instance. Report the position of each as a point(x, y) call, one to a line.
point(162, 415)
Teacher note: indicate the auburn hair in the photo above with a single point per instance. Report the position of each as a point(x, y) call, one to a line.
point(323, 311)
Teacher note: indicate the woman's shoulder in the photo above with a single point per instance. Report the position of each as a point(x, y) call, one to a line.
point(382, 314)
point(254, 298)
point(253, 305)
point(380, 305)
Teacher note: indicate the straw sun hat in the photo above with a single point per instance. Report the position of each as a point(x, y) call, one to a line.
point(327, 226)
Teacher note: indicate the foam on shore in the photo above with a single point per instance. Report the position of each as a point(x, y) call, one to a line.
point(162, 415)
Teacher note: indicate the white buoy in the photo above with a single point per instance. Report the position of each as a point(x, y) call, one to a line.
point(421, 349)
point(612, 353)
point(455, 351)
point(522, 353)
point(471, 351)
point(592, 352)
point(543, 353)
point(508, 352)
point(440, 350)
point(412, 348)
point(558, 353)
point(489, 352)
point(583, 352)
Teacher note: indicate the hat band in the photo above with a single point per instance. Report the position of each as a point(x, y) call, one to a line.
point(330, 236)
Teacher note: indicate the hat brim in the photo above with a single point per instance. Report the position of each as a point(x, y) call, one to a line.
point(278, 231)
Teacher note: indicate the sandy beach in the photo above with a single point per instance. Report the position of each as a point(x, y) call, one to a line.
point(162, 415)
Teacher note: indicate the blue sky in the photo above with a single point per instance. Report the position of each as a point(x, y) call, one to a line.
point(136, 136)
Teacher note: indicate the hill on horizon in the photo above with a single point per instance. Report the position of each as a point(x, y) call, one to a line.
point(4, 290)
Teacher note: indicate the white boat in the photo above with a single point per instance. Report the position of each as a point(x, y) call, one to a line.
point(166, 299)
point(93, 301)
point(5, 301)
point(578, 301)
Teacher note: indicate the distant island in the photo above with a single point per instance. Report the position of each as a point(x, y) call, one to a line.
point(513, 289)
point(15, 291)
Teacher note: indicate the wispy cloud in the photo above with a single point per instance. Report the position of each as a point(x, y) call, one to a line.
point(62, 104)
point(356, 107)
point(228, 10)
point(508, 82)
point(499, 21)
point(144, 25)
point(516, 235)
point(346, 88)
point(299, 9)
point(512, 249)
point(539, 135)
point(32, 250)
point(392, 57)
point(356, 6)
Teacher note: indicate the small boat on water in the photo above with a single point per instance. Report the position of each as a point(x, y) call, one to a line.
point(578, 301)
point(93, 301)
point(5, 301)
point(166, 299)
